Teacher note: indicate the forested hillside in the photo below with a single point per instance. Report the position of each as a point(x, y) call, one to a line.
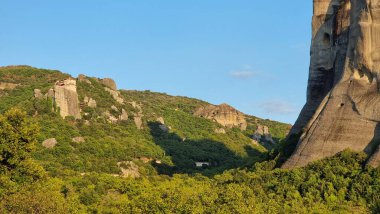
point(145, 152)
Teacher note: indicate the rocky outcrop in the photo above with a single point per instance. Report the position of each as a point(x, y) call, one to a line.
point(343, 99)
point(223, 114)
point(220, 131)
point(117, 116)
point(78, 140)
point(7, 86)
point(66, 98)
point(38, 94)
point(110, 118)
point(89, 102)
point(83, 78)
point(110, 83)
point(262, 135)
point(115, 94)
point(124, 115)
point(138, 121)
point(128, 169)
point(49, 143)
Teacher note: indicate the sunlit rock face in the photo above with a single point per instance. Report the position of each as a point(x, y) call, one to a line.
point(343, 95)
point(223, 114)
point(66, 98)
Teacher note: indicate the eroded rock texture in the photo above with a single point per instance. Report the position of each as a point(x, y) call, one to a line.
point(66, 98)
point(343, 95)
point(223, 114)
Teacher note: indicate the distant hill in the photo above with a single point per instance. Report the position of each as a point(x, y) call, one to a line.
point(87, 125)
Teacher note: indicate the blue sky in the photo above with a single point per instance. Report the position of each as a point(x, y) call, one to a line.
point(251, 54)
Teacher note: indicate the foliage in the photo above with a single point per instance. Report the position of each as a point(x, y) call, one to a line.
point(84, 177)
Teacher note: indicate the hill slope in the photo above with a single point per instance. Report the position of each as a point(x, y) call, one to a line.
point(96, 128)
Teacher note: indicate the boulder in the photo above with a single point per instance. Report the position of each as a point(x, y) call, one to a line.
point(83, 78)
point(220, 131)
point(78, 140)
point(110, 83)
point(49, 143)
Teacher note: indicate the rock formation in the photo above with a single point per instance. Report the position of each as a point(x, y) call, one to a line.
point(343, 99)
point(38, 94)
point(89, 102)
point(128, 169)
point(124, 115)
point(110, 83)
point(262, 135)
point(78, 140)
point(223, 114)
point(49, 143)
point(115, 94)
point(66, 98)
point(83, 78)
point(7, 86)
point(220, 131)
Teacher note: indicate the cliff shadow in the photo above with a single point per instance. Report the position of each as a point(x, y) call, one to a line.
point(205, 156)
point(375, 142)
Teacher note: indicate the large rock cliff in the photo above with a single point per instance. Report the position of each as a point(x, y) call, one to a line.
point(66, 98)
point(343, 99)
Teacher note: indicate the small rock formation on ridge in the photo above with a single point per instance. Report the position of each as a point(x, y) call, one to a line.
point(223, 114)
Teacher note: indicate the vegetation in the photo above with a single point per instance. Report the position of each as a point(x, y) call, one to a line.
point(339, 184)
point(86, 177)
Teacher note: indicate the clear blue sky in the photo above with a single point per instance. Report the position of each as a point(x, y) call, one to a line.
point(251, 54)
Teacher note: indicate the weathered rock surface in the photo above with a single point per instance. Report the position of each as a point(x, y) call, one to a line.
point(115, 94)
point(66, 98)
point(83, 78)
point(49, 143)
point(262, 135)
point(78, 140)
point(138, 121)
point(223, 114)
point(128, 169)
point(343, 99)
point(111, 118)
point(110, 83)
point(38, 94)
point(124, 115)
point(220, 131)
point(89, 102)
point(7, 86)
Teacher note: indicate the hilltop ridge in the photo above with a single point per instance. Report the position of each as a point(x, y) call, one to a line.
point(82, 119)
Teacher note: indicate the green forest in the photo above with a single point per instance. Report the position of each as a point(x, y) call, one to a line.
point(87, 176)
point(340, 184)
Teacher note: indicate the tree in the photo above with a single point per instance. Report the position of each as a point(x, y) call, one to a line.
point(18, 136)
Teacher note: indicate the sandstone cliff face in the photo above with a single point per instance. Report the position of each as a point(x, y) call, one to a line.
point(343, 99)
point(224, 115)
point(66, 98)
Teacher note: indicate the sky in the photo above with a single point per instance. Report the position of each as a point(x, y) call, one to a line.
point(251, 54)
